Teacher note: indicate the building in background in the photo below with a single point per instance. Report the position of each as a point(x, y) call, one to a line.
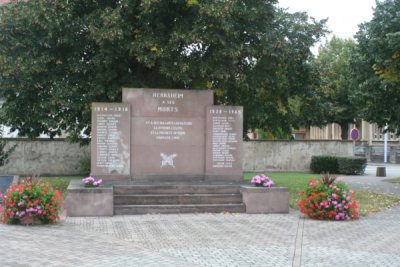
point(370, 145)
point(369, 133)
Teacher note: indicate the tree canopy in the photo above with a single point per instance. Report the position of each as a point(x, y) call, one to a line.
point(376, 65)
point(57, 57)
point(337, 84)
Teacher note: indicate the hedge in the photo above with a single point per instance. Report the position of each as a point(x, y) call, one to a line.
point(324, 164)
point(338, 165)
point(352, 165)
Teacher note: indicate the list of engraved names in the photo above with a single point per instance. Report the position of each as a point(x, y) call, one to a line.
point(108, 120)
point(224, 138)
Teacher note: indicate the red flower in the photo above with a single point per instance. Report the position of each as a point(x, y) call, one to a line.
point(331, 214)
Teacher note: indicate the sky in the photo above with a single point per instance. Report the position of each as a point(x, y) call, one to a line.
point(344, 15)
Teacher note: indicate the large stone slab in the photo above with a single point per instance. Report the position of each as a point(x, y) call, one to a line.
point(167, 103)
point(82, 201)
point(168, 133)
point(110, 146)
point(265, 199)
point(224, 147)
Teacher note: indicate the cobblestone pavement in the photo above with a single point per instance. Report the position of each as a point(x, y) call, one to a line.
point(210, 239)
point(369, 181)
point(205, 240)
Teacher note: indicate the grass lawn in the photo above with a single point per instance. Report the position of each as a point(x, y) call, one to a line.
point(295, 182)
point(368, 202)
point(394, 180)
point(60, 183)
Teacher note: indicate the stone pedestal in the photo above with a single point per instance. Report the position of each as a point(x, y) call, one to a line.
point(82, 201)
point(265, 200)
point(381, 171)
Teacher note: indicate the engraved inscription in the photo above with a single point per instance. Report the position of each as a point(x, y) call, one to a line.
point(224, 138)
point(110, 151)
point(168, 130)
point(168, 102)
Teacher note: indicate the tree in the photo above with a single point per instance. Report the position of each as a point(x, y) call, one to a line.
point(337, 83)
point(56, 57)
point(376, 66)
point(5, 149)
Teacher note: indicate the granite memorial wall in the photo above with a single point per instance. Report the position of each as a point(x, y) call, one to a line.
point(165, 134)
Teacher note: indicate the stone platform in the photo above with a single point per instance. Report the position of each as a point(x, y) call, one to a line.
point(128, 198)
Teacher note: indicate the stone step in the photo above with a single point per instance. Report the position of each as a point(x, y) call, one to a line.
point(154, 199)
point(169, 209)
point(176, 189)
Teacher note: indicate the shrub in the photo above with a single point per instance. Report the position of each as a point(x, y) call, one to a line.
point(32, 199)
point(84, 164)
point(351, 165)
point(5, 152)
point(324, 164)
point(326, 199)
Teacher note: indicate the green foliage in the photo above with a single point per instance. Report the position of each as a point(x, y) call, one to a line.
point(31, 199)
point(325, 199)
point(351, 165)
point(324, 164)
point(57, 57)
point(336, 85)
point(295, 182)
point(5, 151)
point(334, 164)
point(376, 66)
point(84, 164)
point(60, 183)
point(279, 134)
point(368, 202)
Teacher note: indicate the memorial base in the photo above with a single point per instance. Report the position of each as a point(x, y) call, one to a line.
point(82, 201)
point(168, 178)
point(222, 178)
point(265, 200)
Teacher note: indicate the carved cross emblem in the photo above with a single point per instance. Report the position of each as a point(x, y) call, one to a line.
point(167, 160)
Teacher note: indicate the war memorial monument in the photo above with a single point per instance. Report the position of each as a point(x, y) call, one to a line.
point(169, 151)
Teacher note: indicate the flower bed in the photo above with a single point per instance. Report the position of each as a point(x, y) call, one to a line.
point(327, 199)
point(30, 202)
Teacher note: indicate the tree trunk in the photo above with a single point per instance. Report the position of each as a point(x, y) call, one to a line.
point(345, 130)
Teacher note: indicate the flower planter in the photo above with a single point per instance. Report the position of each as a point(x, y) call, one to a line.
point(30, 202)
point(29, 220)
point(265, 199)
point(89, 201)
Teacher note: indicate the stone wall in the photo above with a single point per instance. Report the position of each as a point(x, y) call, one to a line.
point(266, 156)
point(58, 157)
point(44, 157)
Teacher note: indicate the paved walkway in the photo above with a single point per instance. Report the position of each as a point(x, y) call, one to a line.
point(206, 240)
point(369, 181)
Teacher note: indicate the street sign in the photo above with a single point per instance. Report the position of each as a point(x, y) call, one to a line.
point(355, 134)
